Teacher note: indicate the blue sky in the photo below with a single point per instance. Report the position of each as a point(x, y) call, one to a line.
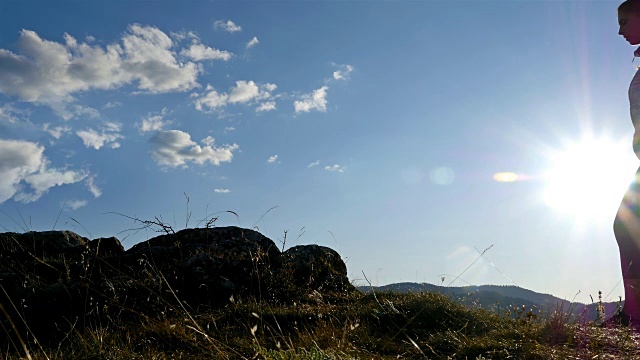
point(375, 128)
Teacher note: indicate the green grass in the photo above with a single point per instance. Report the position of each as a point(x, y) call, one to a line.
point(378, 326)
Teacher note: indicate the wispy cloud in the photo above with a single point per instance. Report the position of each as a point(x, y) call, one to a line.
point(222, 191)
point(111, 104)
point(12, 114)
point(336, 168)
point(153, 122)
point(71, 111)
point(272, 159)
point(56, 131)
point(253, 42)
point(227, 25)
point(93, 187)
point(74, 204)
point(343, 71)
point(313, 164)
point(182, 35)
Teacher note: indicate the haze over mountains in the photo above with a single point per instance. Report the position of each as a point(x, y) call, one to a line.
point(502, 298)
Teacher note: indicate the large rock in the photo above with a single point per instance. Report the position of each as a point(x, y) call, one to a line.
point(314, 269)
point(110, 246)
point(207, 266)
point(56, 280)
point(40, 273)
point(42, 244)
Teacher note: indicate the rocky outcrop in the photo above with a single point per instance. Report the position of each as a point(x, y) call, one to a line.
point(56, 280)
point(313, 269)
point(41, 244)
point(106, 246)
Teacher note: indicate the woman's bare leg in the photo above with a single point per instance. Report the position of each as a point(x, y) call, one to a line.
point(626, 228)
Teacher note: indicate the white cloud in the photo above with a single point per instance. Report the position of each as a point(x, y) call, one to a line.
point(153, 122)
point(74, 204)
point(11, 114)
point(18, 159)
point(315, 163)
point(266, 106)
point(57, 131)
point(317, 100)
point(228, 129)
point(336, 167)
point(45, 179)
point(93, 188)
point(272, 159)
point(150, 61)
point(343, 72)
point(253, 42)
point(199, 52)
point(109, 133)
point(48, 72)
point(211, 100)
point(48, 178)
point(23, 163)
point(222, 191)
point(175, 148)
point(91, 138)
point(228, 26)
point(245, 92)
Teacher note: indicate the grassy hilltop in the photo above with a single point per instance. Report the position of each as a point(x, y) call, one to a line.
point(139, 304)
point(380, 326)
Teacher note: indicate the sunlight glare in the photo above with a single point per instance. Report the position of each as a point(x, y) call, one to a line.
point(588, 178)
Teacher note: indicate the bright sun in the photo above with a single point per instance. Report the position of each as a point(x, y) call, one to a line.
point(588, 178)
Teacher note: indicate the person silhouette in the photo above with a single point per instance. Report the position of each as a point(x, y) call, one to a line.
point(626, 225)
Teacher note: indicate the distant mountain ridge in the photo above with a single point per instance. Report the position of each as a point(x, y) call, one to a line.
point(500, 297)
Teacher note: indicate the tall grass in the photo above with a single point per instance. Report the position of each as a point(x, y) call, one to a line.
point(383, 326)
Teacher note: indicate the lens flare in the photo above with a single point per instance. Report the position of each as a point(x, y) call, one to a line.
point(442, 175)
point(506, 177)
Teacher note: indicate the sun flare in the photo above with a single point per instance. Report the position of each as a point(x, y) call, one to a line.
point(588, 178)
